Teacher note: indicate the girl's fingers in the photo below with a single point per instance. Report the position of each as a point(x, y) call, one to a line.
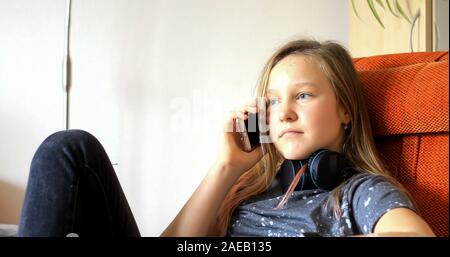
point(230, 125)
point(240, 114)
point(252, 108)
point(252, 102)
point(247, 109)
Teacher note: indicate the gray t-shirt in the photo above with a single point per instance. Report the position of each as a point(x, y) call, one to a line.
point(364, 200)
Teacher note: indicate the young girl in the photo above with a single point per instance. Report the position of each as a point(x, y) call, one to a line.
point(315, 102)
point(315, 105)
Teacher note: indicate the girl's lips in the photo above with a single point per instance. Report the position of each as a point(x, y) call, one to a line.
point(291, 133)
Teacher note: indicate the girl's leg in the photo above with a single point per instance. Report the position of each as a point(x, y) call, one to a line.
point(72, 188)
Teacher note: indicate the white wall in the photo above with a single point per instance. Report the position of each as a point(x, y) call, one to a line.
point(151, 79)
point(30, 90)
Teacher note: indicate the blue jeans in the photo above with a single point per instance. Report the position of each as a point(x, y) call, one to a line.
point(72, 188)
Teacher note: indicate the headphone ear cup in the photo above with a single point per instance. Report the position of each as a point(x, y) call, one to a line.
point(313, 167)
point(327, 169)
point(286, 174)
point(296, 166)
point(303, 178)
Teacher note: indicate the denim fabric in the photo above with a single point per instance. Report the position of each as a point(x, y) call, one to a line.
point(72, 188)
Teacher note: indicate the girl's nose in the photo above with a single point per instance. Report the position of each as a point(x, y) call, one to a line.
point(287, 113)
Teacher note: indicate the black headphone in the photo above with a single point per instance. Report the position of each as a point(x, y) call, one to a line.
point(326, 170)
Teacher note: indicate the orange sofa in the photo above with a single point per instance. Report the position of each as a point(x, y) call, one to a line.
point(407, 97)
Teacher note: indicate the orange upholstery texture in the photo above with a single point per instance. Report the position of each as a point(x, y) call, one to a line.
point(407, 98)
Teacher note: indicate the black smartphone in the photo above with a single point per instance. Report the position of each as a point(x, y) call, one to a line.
point(249, 132)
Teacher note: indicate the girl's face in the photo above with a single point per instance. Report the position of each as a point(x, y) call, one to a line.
point(302, 99)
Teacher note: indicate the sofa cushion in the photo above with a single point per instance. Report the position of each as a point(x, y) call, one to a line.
point(407, 99)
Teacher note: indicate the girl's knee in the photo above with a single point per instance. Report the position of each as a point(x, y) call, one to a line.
point(66, 141)
point(69, 137)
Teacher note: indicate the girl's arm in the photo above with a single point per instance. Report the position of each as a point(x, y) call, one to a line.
point(401, 222)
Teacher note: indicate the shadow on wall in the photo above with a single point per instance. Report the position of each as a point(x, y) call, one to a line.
point(11, 198)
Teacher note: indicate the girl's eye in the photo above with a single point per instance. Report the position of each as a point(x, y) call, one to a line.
point(303, 96)
point(273, 102)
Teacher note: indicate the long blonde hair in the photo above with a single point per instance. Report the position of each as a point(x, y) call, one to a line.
point(336, 63)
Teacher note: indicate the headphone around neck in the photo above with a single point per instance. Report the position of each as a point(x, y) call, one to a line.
point(326, 170)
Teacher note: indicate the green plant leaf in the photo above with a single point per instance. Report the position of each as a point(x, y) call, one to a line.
point(400, 10)
point(381, 3)
point(354, 9)
point(374, 12)
point(390, 9)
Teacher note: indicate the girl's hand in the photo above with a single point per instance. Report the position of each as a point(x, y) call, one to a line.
point(232, 154)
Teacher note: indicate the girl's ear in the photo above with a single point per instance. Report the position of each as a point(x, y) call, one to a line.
point(344, 115)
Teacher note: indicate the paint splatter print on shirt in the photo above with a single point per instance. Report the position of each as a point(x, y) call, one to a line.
point(365, 198)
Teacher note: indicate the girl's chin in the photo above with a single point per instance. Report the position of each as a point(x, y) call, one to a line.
point(295, 156)
point(294, 153)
